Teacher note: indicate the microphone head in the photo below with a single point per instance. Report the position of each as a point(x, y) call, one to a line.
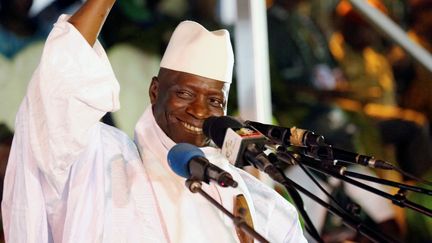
point(179, 157)
point(274, 132)
point(208, 124)
point(215, 128)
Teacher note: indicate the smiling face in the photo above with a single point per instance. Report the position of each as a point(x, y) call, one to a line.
point(182, 101)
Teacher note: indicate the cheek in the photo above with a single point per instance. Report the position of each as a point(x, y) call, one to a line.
point(166, 102)
point(218, 112)
point(174, 104)
point(170, 108)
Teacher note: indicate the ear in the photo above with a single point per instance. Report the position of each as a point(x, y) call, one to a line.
point(154, 90)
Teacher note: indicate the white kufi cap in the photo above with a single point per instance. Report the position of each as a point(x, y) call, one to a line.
point(195, 50)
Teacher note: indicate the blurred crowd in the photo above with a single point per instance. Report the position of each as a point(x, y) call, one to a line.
point(331, 72)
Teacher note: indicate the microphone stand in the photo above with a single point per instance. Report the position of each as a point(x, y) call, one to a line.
point(284, 156)
point(300, 207)
point(258, 159)
point(401, 186)
point(195, 186)
point(348, 219)
point(325, 166)
point(398, 199)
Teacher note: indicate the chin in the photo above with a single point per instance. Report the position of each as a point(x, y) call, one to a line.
point(204, 143)
point(199, 142)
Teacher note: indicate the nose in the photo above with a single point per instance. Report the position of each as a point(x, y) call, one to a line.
point(198, 108)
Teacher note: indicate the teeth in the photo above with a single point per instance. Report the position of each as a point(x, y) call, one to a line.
point(191, 128)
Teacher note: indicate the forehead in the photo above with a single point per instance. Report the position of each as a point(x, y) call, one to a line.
point(173, 78)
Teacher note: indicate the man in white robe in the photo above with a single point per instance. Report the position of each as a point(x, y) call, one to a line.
point(71, 178)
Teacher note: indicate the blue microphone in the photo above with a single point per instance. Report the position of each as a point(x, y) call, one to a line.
point(188, 161)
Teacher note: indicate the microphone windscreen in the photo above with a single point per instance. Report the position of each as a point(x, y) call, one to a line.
point(263, 128)
point(179, 157)
point(275, 133)
point(215, 128)
point(208, 124)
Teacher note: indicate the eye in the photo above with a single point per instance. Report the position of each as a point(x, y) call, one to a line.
point(216, 102)
point(184, 94)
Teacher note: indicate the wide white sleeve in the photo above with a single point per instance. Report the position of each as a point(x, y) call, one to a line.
point(72, 88)
point(277, 219)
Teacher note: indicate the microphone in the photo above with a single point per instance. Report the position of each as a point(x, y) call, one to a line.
point(335, 154)
point(244, 146)
point(315, 146)
point(241, 145)
point(288, 136)
point(188, 161)
point(232, 137)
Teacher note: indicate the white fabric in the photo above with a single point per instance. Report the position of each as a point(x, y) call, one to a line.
point(71, 178)
point(185, 213)
point(193, 49)
point(277, 220)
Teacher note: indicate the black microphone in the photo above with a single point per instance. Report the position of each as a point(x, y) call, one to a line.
point(288, 136)
point(334, 154)
point(241, 145)
point(232, 137)
point(188, 161)
point(315, 146)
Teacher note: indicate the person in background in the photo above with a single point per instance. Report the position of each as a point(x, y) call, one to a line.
point(17, 29)
point(358, 49)
point(47, 16)
point(300, 61)
point(415, 94)
point(415, 78)
point(303, 66)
